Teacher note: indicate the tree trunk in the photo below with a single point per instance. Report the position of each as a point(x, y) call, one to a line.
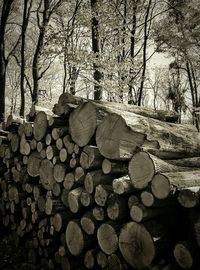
point(6, 7)
point(96, 50)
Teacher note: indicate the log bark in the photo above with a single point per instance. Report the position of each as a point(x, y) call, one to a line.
point(119, 136)
point(165, 184)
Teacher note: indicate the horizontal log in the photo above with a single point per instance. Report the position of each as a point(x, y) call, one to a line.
point(165, 184)
point(119, 136)
point(91, 158)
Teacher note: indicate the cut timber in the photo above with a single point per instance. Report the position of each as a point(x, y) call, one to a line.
point(91, 158)
point(119, 136)
point(189, 197)
point(90, 259)
point(149, 200)
point(162, 115)
point(143, 166)
point(99, 213)
point(94, 178)
point(75, 238)
point(184, 255)
point(122, 185)
point(140, 213)
point(164, 184)
point(58, 132)
point(40, 126)
point(28, 129)
point(69, 181)
point(102, 193)
point(59, 172)
point(107, 235)
point(74, 199)
point(114, 167)
point(35, 109)
point(15, 142)
point(46, 174)
point(88, 223)
point(34, 164)
point(83, 123)
point(117, 207)
point(136, 245)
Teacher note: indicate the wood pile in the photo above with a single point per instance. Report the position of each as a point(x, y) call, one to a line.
point(102, 186)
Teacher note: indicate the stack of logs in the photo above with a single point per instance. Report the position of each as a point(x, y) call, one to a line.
point(102, 186)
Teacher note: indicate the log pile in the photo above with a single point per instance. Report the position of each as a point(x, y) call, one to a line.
point(117, 189)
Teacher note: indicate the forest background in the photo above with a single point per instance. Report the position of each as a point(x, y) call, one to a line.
point(141, 52)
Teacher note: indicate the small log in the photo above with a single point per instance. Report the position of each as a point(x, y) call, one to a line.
point(184, 255)
point(40, 146)
point(28, 129)
point(189, 197)
point(91, 158)
point(63, 155)
point(140, 213)
point(59, 172)
point(165, 184)
point(69, 145)
point(114, 167)
point(88, 223)
point(69, 181)
point(33, 144)
point(56, 190)
point(25, 148)
point(64, 197)
point(34, 162)
point(90, 259)
point(102, 259)
point(117, 207)
point(122, 185)
point(46, 174)
point(51, 151)
point(99, 213)
point(59, 143)
point(15, 142)
point(43, 153)
point(74, 162)
point(102, 193)
point(60, 220)
point(59, 132)
point(76, 240)
point(40, 126)
point(74, 200)
point(86, 199)
point(94, 178)
point(52, 206)
point(48, 139)
point(79, 174)
point(107, 235)
point(41, 203)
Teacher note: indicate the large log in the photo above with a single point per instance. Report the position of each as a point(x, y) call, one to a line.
point(46, 174)
point(162, 115)
point(136, 245)
point(164, 184)
point(119, 136)
point(140, 177)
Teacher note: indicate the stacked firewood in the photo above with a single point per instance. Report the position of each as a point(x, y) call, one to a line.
point(100, 185)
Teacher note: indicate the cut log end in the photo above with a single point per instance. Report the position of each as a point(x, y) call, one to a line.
point(160, 186)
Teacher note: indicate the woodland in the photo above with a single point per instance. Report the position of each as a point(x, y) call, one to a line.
point(100, 50)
